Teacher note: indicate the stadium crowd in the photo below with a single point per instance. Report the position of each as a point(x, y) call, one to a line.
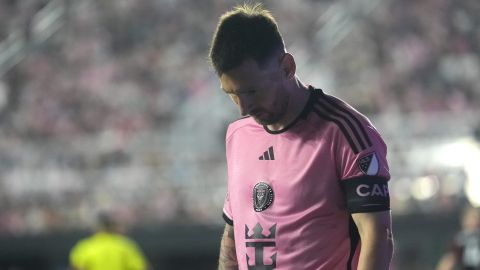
point(119, 109)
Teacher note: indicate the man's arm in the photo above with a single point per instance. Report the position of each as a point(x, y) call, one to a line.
point(447, 262)
point(375, 231)
point(228, 255)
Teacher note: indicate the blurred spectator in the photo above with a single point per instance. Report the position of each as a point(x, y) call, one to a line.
point(464, 252)
point(107, 249)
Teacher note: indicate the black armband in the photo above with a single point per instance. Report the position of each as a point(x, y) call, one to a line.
point(366, 194)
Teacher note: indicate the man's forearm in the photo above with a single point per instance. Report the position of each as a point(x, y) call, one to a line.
point(376, 238)
point(376, 252)
point(228, 256)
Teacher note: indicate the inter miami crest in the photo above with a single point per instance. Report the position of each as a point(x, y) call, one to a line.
point(262, 196)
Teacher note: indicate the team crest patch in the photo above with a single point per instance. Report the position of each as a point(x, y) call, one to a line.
point(262, 196)
point(369, 164)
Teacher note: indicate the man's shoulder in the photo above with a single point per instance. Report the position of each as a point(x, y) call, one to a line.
point(356, 128)
point(340, 113)
point(81, 246)
point(337, 106)
point(239, 124)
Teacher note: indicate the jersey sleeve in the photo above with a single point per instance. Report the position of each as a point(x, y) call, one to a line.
point(363, 170)
point(135, 258)
point(77, 255)
point(227, 209)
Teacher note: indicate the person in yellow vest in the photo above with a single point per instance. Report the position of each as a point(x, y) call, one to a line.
point(107, 249)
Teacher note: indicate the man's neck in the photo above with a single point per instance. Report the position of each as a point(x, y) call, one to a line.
point(299, 95)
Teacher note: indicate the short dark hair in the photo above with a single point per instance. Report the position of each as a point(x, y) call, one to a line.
point(248, 31)
point(106, 221)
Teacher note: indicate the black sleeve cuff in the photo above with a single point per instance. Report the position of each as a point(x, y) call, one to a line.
point(227, 220)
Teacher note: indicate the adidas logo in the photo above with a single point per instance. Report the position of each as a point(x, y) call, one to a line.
point(267, 155)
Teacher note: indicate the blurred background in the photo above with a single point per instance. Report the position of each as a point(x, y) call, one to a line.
point(113, 105)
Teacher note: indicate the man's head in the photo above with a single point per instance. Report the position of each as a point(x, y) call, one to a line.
point(107, 222)
point(248, 31)
point(248, 54)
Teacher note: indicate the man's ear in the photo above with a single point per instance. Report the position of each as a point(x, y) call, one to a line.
point(287, 64)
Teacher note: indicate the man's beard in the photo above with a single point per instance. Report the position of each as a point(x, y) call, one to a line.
point(267, 119)
point(270, 118)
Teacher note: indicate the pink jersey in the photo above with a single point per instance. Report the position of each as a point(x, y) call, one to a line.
point(291, 193)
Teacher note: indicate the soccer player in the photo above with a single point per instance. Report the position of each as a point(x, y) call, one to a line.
point(307, 173)
point(107, 249)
